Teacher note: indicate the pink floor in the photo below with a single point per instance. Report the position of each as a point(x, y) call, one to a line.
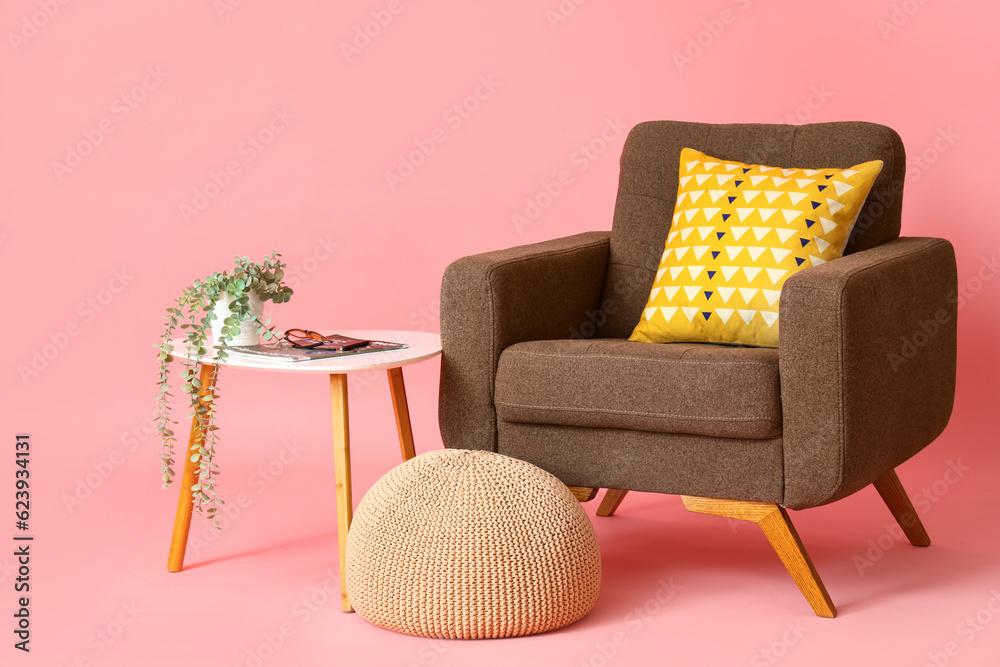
point(678, 588)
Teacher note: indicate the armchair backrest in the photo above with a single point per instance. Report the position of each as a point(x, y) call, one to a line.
point(647, 191)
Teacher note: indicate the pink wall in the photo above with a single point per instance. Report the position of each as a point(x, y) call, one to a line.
point(556, 86)
point(159, 98)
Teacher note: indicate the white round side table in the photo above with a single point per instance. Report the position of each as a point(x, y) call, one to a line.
point(421, 345)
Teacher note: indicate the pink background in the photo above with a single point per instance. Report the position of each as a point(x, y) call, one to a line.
point(110, 228)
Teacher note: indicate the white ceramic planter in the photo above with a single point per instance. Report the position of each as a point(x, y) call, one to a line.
point(248, 334)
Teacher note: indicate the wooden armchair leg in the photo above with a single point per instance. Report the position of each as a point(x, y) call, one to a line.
point(612, 499)
point(778, 528)
point(584, 493)
point(892, 492)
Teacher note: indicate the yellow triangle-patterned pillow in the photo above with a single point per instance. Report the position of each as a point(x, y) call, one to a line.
point(739, 231)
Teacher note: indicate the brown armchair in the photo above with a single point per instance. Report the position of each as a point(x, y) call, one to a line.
point(537, 364)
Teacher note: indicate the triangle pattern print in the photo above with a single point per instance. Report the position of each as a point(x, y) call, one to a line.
point(737, 233)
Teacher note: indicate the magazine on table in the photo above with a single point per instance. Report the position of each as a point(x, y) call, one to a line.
point(335, 346)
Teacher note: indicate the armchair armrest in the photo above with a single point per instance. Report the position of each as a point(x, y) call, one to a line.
point(867, 364)
point(493, 300)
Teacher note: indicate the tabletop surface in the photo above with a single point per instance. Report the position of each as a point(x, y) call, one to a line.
point(422, 345)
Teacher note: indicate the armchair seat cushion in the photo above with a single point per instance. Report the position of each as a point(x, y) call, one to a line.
point(696, 388)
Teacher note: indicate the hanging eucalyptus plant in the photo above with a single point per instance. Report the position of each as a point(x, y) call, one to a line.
point(194, 311)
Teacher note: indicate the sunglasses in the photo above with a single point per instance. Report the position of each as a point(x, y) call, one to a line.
point(311, 340)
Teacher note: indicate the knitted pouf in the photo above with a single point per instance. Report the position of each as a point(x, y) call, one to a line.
point(462, 544)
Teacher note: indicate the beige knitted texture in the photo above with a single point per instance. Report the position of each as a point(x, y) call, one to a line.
point(464, 544)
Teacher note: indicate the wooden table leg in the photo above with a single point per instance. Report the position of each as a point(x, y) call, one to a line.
point(182, 521)
point(402, 411)
point(342, 471)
